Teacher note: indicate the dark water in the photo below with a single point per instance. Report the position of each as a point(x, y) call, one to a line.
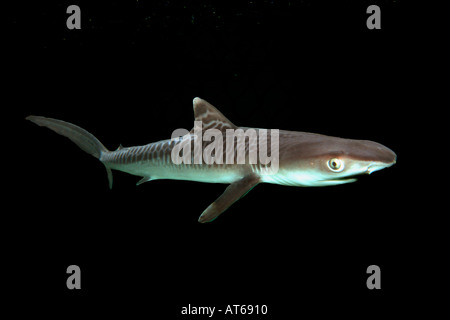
point(129, 76)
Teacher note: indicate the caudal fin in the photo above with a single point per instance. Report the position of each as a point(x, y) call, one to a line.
point(83, 139)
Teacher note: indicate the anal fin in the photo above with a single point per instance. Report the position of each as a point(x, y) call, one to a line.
point(144, 179)
point(232, 193)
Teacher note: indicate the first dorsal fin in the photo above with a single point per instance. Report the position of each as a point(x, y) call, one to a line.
point(210, 117)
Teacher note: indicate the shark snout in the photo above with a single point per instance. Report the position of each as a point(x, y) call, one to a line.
point(380, 156)
point(377, 153)
point(385, 155)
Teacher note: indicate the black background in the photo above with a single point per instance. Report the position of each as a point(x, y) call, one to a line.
point(129, 77)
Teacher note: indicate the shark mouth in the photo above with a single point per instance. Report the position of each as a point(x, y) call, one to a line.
point(346, 179)
point(352, 177)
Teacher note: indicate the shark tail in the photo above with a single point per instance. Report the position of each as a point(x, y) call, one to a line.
point(83, 139)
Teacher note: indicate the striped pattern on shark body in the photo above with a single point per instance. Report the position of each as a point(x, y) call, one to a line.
point(155, 161)
point(158, 152)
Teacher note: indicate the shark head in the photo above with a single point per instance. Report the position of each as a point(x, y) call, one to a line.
point(309, 159)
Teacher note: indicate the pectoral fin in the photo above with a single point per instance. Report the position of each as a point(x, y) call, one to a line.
point(234, 192)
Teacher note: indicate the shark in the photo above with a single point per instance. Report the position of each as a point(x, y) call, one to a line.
point(303, 159)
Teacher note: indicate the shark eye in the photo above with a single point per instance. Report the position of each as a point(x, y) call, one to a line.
point(335, 165)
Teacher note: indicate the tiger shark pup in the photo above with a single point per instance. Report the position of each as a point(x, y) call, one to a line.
point(303, 159)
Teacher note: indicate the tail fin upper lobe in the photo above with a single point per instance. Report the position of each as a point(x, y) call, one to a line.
point(79, 136)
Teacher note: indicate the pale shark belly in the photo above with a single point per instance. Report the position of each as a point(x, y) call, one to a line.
point(193, 172)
